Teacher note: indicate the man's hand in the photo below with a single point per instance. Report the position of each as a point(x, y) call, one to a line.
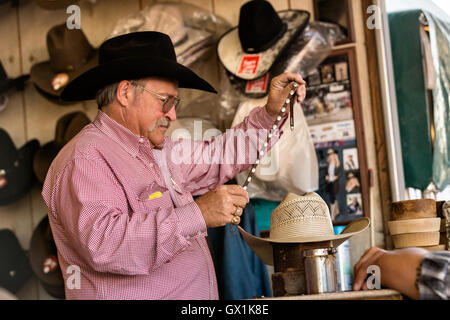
point(397, 268)
point(219, 205)
point(280, 87)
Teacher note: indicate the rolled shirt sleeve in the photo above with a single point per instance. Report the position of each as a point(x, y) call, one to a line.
point(434, 278)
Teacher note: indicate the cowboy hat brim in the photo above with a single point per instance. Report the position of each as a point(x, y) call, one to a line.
point(41, 75)
point(263, 246)
point(86, 85)
point(233, 57)
point(43, 159)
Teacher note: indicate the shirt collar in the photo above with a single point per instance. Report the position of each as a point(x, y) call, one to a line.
point(128, 140)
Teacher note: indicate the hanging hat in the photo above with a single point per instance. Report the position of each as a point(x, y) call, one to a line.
point(55, 4)
point(16, 168)
point(67, 127)
point(168, 18)
point(133, 56)
point(7, 83)
point(44, 261)
point(70, 55)
point(250, 49)
point(301, 219)
point(15, 269)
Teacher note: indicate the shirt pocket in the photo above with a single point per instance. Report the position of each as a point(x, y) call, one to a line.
point(154, 197)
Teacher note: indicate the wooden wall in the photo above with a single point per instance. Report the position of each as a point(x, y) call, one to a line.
point(23, 42)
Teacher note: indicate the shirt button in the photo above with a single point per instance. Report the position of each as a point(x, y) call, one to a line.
point(188, 237)
point(199, 233)
point(141, 140)
point(184, 249)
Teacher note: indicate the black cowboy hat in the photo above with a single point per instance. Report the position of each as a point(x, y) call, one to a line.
point(15, 268)
point(133, 56)
point(7, 83)
point(16, 168)
point(250, 49)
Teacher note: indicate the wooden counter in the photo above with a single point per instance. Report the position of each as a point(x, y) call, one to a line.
point(384, 294)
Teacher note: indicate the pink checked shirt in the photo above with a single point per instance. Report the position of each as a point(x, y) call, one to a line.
point(123, 212)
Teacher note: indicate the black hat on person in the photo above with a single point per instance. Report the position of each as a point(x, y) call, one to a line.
point(16, 168)
point(133, 56)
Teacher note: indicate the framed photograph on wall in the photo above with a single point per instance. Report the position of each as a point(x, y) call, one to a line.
point(333, 111)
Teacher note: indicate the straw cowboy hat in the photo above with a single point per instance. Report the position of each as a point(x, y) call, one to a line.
point(301, 219)
point(133, 56)
point(70, 55)
point(250, 49)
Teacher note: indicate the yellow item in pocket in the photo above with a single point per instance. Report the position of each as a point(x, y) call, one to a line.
point(155, 195)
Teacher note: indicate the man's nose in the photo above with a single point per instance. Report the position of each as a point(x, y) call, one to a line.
point(172, 114)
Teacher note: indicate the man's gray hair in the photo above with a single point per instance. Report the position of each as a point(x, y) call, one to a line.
point(107, 94)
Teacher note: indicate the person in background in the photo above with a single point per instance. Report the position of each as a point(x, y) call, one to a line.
point(414, 272)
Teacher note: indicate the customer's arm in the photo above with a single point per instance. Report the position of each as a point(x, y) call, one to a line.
point(398, 269)
point(415, 272)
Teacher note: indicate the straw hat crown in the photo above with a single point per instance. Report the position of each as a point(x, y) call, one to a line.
point(306, 216)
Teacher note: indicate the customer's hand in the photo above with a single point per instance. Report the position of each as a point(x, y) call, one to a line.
point(397, 269)
point(220, 205)
point(280, 88)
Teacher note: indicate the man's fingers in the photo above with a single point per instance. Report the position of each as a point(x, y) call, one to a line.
point(237, 191)
point(238, 201)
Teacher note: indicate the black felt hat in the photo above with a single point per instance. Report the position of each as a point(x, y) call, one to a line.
point(16, 168)
point(250, 49)
point(133, 56)
point(7, 83)
point(15, 268)
point(254, 35)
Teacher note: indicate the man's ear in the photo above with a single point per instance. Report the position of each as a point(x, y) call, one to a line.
point(125, 93)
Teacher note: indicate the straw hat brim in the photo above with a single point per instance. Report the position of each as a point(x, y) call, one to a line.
point(230, 51)
point(263, 246)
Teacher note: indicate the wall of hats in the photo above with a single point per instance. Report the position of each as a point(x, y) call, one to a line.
point(35, 124)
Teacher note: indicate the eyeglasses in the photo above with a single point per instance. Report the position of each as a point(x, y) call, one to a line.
point(168, 102)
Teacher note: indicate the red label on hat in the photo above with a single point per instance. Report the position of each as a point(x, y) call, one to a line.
point(3, 182)
point(248, 65)
point(258, 85)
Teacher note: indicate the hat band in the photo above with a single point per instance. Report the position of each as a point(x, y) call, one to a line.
point(303, 228)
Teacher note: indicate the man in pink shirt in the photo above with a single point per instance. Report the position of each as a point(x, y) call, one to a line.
point(120, 194)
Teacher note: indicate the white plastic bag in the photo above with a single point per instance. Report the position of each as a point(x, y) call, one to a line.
point(291, 165)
